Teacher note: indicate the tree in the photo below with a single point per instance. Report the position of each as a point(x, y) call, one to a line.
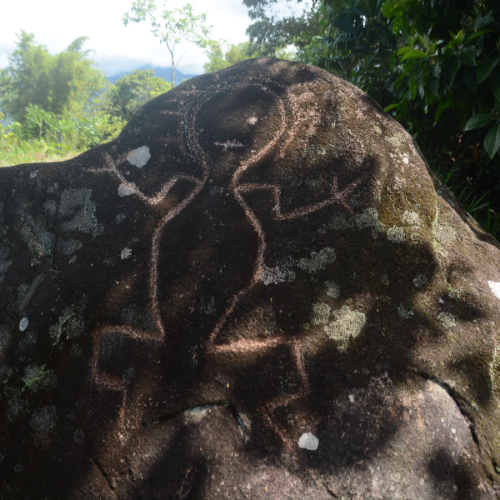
point(234, 53)
point(357, 43)
point(268, 35)
point(131, 91)
point(434, 64)
point(63, 84)
point(171, 26)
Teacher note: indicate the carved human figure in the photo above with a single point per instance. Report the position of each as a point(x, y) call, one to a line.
point(190, 310)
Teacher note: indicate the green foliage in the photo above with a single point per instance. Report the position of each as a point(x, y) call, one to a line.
point(44, 135)
point(62, 84)
point(270, 36)
point(220, 59)
point(131, 91)
point(434, 64)
point(357, 42)
point(61, 105)
point(171, 26)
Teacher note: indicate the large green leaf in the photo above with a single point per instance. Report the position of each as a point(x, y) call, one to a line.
point(392, 106)
point(468, 55)
point(413, 87)
point(403, 50)
point(496, 90)
point(475, 35)
point(413, 54)
point(388, 8)
point(477, 121)
point(486, 68)
point(483, 21)
point(444, 104)
point(452, 73)
point(492, 141)
point(469, 78)
point(434, 85)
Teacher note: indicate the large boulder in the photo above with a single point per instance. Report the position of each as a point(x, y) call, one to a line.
point(258, 290)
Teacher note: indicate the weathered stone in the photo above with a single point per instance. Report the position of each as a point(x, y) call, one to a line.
point(257, 291)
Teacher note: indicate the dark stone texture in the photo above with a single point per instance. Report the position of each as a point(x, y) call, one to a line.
point(261, 259)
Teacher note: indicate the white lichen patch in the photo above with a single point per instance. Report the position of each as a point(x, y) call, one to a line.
point(33, 174)
point(120, 218)
point(377, 129)
point(405, 313)
point(50, 207)
point(495, 288)
point(126, 189)
point(308, 441)
point(5, 374)
point(346, 325)
point(17, 406)
point(332, 290)
point(5, 338)
point(272, 275)
point(252, 120)
point(447, 319)
point(4, 265)
point(230, 144)
point(196, 414)
point(320, 314)
point(36, 236)
point(70, 323)
point(139, 157)
point(396, 140)
point(411, 219)
point(406, 160)
point(367, 218)
point(69, 246)
point(420, 281)
point(384, 280)
point(396, 234)
point(126, 253)
point(25, 293)
point(318, 260)
point(446, 235)
point(84, 219)
point(44, 419)
point(35, 377)
point(23, 324)
point(79, 437)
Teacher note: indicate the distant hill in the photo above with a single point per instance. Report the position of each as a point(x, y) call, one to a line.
point(165, 73)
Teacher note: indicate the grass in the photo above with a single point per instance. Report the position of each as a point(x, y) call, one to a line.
point(478, 206)
point(32, 152)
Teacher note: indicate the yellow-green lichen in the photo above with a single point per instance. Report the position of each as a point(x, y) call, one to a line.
point(346, 325)
point(320, 313)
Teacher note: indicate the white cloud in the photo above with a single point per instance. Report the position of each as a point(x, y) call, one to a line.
point(56, 23)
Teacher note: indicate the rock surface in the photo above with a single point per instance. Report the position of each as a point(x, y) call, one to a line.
point(258, 290)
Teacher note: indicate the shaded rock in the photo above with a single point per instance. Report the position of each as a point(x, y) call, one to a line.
point(258, 290)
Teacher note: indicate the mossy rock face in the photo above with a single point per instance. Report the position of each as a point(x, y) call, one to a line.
point(258, 290)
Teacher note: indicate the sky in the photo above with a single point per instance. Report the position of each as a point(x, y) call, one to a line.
point(56, 23)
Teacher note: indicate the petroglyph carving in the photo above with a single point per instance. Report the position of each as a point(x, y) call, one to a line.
point(276, 146)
